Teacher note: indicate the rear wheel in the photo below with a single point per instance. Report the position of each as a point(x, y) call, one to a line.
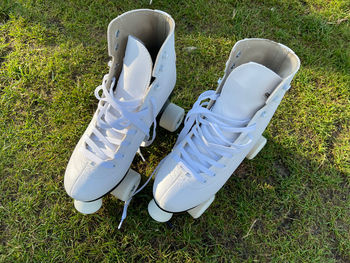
point(200, 209)
point(257, 147)
point(172, 117)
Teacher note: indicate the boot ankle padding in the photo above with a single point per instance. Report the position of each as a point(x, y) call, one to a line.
point(152, 27)
point(275, 56)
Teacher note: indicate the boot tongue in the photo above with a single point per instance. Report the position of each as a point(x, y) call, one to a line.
point(242, 95)
point(245, 90)
point(136, 73)
point(132, 84)
point(134, 79)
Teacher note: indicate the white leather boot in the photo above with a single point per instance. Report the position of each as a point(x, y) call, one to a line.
point(141, 77)
point(223, 127)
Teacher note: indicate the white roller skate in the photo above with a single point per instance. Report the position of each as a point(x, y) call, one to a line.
point(142, 75)
point(223, 127)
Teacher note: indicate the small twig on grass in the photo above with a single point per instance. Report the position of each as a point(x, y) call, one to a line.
point(339, 21)
point(234, 12)
point(250, 229)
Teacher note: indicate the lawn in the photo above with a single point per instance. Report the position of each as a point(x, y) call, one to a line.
point(290, 204)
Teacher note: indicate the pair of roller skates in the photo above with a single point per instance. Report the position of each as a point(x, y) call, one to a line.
point(222, 128)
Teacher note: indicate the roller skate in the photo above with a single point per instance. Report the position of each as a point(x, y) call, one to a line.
point(141, 78)
point(223, 127)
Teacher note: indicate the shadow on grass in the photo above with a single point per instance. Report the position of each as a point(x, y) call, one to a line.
point(280, 200)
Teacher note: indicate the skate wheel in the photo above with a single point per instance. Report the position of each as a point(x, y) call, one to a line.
point(158, 214)
point(172, 117)
point(257, 148)
point(128, 186)
point(88, 207)
point(200, 209)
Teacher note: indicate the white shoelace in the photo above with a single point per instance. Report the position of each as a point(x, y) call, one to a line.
point(114, 118)
point(208, 143)
point(127, 202)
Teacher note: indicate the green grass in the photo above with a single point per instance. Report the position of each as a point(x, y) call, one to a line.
point(296, 191)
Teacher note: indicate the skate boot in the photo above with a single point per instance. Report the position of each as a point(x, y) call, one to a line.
point(223, 127)
point(141, 78)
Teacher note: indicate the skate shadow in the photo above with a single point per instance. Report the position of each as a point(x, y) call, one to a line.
point(273, 194)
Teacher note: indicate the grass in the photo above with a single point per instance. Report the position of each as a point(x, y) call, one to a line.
point(289, 204)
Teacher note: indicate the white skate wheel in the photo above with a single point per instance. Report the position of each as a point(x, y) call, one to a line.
point(200, 209)
point(257, 148)
point(128, 186)
point(88, 207)
point(158, 214)
point(172, 117)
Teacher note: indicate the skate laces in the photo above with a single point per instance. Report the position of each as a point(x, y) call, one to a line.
point(114, 121)
point(209, 141)
point(127, 202)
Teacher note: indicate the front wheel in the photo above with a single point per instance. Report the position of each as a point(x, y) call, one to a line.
point(128, 186)
point(158, 214)
point(88, 207)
